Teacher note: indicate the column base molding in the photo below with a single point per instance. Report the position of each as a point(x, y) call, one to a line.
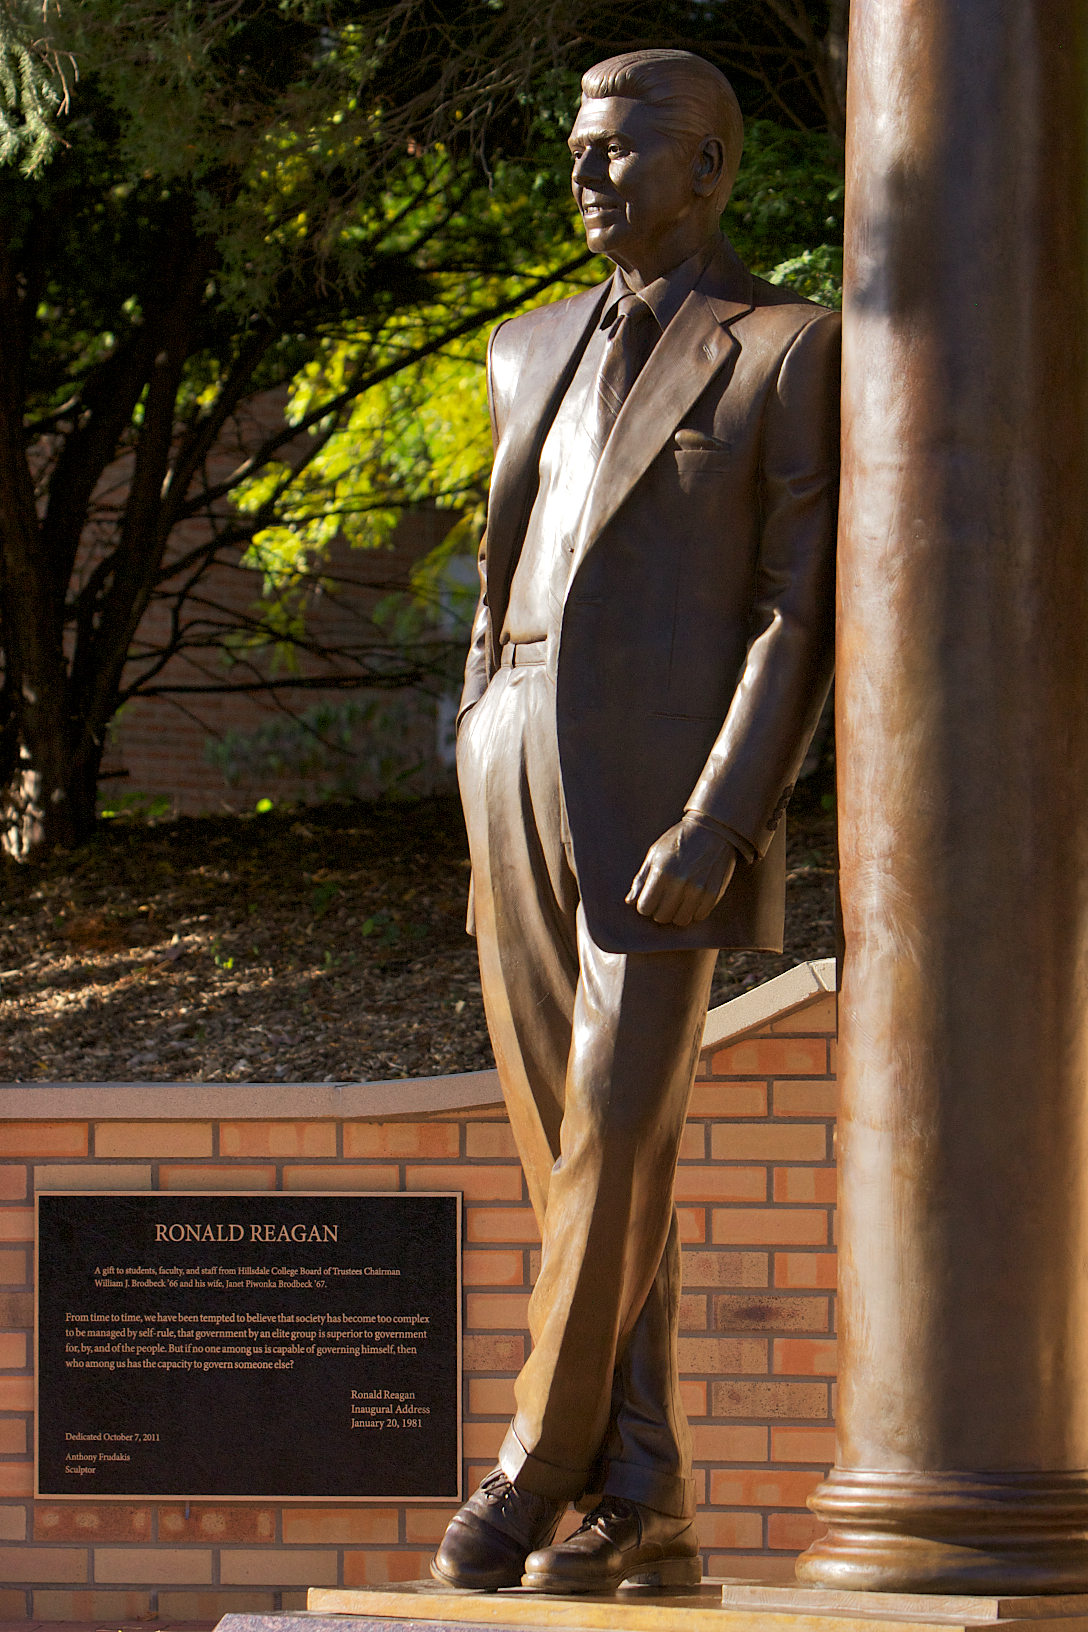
point(1010, 1533)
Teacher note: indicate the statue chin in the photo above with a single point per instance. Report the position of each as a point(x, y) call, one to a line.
point(604, 237)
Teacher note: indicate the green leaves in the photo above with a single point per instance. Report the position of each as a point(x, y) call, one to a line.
point(816, 274)
point(788, 197)
point(420, 435)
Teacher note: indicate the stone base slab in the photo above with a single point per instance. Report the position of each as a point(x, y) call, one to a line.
point(925, 1608)
point(402, 1608)
point(742, 1605)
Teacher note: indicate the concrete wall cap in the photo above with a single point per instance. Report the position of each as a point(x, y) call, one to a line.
point(772, 1001)
point(398, 1099)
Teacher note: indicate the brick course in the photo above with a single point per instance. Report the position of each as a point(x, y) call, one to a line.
point(756, 1190)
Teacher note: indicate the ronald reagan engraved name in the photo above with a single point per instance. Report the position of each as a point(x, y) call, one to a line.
point(257, 1232)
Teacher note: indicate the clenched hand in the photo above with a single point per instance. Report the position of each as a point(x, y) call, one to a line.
point(684, 875)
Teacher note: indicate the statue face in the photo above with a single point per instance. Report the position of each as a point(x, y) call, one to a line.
point(633, 185)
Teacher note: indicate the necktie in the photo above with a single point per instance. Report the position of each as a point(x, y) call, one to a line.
point(630, 342)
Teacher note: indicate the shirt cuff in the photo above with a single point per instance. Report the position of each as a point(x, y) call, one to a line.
point(744, 847)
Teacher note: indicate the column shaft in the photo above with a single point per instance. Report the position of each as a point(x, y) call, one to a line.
point(963, 751)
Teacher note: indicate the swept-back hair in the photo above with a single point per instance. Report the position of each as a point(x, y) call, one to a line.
point(693, 100)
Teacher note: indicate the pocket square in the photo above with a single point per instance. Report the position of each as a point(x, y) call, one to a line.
point(697, 442)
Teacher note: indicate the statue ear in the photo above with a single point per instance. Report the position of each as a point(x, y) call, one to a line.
point(708, 166)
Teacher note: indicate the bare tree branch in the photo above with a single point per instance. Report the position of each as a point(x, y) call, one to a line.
point(365, 382)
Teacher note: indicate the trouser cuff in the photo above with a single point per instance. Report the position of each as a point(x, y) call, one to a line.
point(528, 1472)
point(664, 1492)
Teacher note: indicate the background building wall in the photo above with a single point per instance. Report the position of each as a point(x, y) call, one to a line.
point(158, 745)
point(756, 1195)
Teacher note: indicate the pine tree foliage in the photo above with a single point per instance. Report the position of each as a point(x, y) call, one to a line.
point(34, 84)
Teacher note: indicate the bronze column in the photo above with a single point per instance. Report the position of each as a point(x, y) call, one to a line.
point(963, 747)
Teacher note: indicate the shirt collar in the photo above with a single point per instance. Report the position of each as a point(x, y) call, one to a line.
point(666, 294)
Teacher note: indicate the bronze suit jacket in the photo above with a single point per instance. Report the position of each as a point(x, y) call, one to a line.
point(695, 652)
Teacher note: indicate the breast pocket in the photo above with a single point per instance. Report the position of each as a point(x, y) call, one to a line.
point(697, 466)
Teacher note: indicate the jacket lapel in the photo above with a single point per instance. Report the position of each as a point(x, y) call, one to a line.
point(696, 345)
point(552, 355)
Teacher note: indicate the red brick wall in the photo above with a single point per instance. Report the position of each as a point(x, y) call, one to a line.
point(756, 1191)
point(758, 1346)
point(160, 741)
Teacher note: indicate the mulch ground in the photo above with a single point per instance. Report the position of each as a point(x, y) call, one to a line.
point(321, 945)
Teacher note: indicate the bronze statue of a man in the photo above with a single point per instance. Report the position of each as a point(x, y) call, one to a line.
point(652, 650)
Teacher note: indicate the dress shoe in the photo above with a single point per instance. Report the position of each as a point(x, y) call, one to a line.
point(619, 1541)
point(486, 1543)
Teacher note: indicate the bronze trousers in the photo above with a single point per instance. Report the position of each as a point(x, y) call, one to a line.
point(596, 1053)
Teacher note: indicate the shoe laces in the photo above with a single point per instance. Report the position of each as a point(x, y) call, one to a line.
point(519, 1512)
point(608, 1509)
point(497, 1489)
point(498, 1492)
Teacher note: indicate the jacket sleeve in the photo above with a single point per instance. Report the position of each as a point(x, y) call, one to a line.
point(476, 675)
point(750, 773)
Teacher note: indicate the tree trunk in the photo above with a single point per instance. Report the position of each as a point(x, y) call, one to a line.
point(53, 758)
point(54, 807)
point(61, 688)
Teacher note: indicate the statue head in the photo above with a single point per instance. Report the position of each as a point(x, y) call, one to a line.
point(656, 145)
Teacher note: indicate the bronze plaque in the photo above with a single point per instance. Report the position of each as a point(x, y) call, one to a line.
point(299, 1346)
